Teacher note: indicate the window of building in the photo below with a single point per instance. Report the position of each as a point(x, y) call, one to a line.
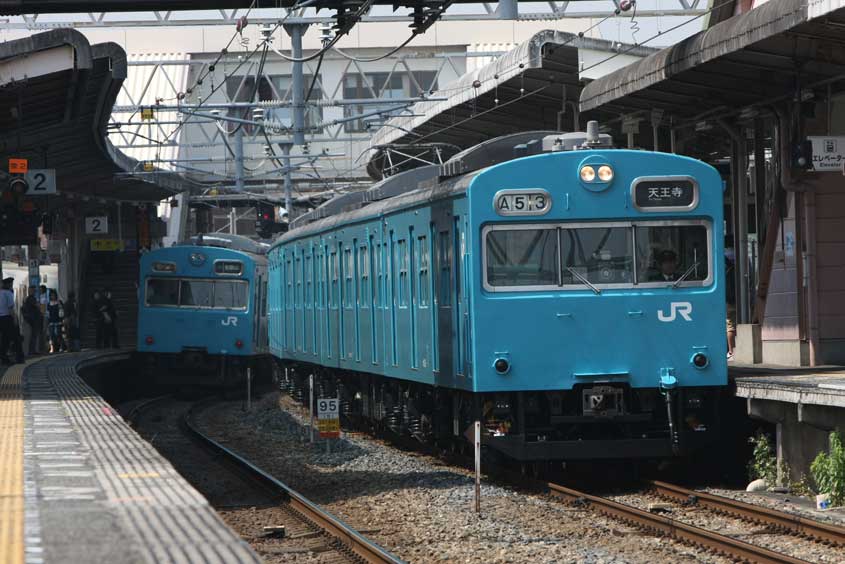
point(382, 85)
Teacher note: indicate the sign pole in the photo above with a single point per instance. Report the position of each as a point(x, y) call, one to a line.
point(311, 403)
point(248, 388)
point(477, 445)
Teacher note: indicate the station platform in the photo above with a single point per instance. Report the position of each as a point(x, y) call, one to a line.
point(805, 405)
point(77, 484)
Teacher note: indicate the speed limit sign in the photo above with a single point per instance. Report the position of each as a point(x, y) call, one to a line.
point(328, 417)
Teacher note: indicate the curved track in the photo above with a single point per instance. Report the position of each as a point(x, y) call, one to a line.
point(345, 538)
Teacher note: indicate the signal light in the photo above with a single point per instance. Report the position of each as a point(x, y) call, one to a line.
point(239, 344)
point(149, 340)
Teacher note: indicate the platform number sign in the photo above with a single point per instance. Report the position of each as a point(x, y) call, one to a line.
point(534, 201)
point(41, 182)
point(97, 225)
point(328, 417)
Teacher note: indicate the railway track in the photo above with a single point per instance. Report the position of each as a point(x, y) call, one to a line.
point(777, 520)
point(690, 534)
point(318, 529)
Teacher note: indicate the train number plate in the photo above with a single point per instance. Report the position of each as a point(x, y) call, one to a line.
point(522, 202)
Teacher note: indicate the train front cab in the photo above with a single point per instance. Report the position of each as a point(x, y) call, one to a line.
point(588, 343)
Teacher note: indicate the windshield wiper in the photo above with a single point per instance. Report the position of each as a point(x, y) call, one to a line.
point(583, 279)
point(683, 277)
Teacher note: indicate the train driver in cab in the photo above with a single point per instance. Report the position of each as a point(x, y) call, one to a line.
point(667, 267)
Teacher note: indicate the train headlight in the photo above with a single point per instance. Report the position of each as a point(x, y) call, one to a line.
point(239, 344)
point(588, 173)
point(700, 360)
point(605, 173)
point(502, 366)
point(149, 340)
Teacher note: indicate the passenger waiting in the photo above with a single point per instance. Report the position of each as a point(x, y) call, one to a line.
point(55, 314)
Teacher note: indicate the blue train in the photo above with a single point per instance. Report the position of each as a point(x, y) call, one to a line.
point(568, 295)
point(203, 308)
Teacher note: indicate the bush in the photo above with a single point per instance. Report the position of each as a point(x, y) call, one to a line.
point(828, 470)
point(764, 461)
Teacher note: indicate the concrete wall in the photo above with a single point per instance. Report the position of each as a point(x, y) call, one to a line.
point(802, 430)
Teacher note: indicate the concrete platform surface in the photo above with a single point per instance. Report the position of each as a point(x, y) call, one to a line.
point(823, 385)
point(77, 484)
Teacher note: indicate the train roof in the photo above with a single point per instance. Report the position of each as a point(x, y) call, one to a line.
point(228, 241)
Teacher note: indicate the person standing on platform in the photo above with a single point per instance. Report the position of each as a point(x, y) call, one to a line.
point(10, 335)
point(99, 318)
point(31, 314)
point(55, 314)
point(71, 322)
point(111, 326)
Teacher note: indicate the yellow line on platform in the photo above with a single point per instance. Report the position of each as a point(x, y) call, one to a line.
point(11, 466)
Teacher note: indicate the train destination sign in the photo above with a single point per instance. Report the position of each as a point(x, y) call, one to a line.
point(667, 193)
point(534, 201)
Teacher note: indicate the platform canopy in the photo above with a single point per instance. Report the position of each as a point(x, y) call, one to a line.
point(56, 95)
point(764, 56)
point(535, 86)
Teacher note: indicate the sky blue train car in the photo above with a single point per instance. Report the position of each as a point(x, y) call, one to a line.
point(568, 295)
point(202, 306)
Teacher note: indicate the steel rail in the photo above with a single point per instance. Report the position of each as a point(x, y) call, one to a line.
point(359, 546)
point(672, 528)
point(780, 520)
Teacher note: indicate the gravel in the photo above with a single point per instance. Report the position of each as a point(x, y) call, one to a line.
point(422, 509)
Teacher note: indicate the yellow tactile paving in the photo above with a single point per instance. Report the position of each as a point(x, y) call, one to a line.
point(11, 466)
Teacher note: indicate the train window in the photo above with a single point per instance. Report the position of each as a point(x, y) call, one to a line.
point(349, 273)
point(230, 294)
point(196, 293)
point(665, 253)
point(403, 272)
point(602, 255)
point(162, 292)
point(364, 269)
point(445, 258)
point(422, 252)
point(522, 257)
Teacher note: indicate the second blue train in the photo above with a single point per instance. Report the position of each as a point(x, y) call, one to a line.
point(202, 314)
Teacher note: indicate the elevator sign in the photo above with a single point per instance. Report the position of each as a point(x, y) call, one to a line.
point(828, 153)
point(328, 417)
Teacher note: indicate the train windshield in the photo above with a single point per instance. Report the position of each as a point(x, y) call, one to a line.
point(197, 293)
point(612, 254)
point(602, 255)
point(522, 257)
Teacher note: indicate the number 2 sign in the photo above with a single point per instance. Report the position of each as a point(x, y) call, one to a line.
point(97, 225)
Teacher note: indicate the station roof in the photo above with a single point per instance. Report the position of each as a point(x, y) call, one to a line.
point(754, 59)
point(525, 89)
point(56, 95)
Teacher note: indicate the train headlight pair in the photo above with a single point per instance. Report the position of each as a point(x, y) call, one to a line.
point(589, 173)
